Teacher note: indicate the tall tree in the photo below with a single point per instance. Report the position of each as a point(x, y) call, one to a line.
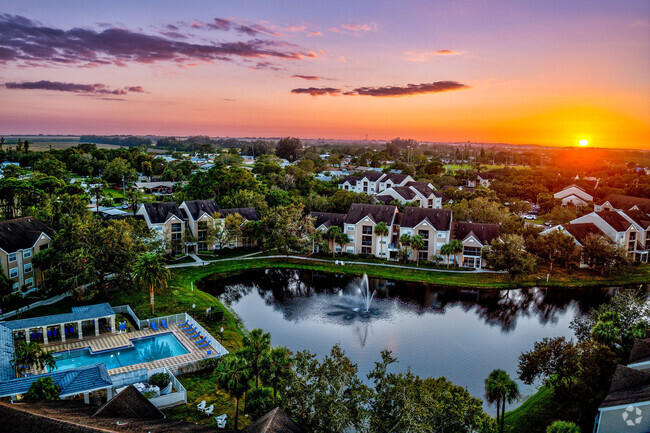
point(150, 271)
point(255, 346)
point(289, 148)
point(600, 253)
point(277, 368)
point(453, 247)
point(499, 389)
point(508, 253)
point(32, 354)
point(381, 230)
point(233, 376)
point(417, 243)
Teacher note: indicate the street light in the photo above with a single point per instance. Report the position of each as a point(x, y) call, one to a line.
point(221, 338)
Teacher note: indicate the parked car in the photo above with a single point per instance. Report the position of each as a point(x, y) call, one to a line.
point(529, 217)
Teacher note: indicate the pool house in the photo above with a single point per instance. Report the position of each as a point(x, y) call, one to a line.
point(98, 353)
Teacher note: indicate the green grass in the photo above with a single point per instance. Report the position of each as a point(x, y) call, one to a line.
point(113, 193)
point(535, 414)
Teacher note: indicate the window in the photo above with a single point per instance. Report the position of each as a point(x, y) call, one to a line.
point(29, 282)
point(350, 228)
point(425, 236)
point(423, 255)
point(15, 286)
point(13, 257)
point(472, 251)
point(441, 235)
point(44, 247)
point(366, 230)
point(430, 203)
point(630, 245)
point(632, 236)
point(366, 250)
point(27, 254)
point(13, 272)
point(27, 268)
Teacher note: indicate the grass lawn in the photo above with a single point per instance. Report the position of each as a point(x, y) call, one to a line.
point(113, 193)
point(535, 414)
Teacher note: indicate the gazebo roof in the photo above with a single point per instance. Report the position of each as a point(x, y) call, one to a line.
point(86, 312)
point(72, 381)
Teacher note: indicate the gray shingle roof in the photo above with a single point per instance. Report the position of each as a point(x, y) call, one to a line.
point(628, 386)
point(440, 219)
point(276, 421)
point(249, 213)
point(129, 403)
point(624, 202)
point(328, 219)
point(6, 354)
point(378, 213)
point(197, 207)
point(615, 220)
point(78, 313)
point(71, 381)
point(580, 231)
point(21, 233)
point(161, 211)
point(640, 351)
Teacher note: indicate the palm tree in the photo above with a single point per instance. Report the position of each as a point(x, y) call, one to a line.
point(331, 236)
point(499, 389)
point(276, 367)
point(254, 347)
point(342, 240)
point(233, 375)
point(32, 354)
point(151, 272)
point(381, 230)
point(453, 247)
point(417, 243)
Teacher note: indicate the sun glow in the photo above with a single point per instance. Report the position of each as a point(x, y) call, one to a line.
point(583, 142)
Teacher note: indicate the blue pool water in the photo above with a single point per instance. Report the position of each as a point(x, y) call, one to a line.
point(144, 350)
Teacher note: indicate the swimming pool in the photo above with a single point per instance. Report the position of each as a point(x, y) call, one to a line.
point(144, 349)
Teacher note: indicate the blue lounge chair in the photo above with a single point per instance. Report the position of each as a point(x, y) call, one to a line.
point(200, 341)
point(123, 327)
point(209, 353)
point(163, 323)
point(49, 334)
point(153, 326)
point(191, 330)
point(205, 344)
point(184, 324)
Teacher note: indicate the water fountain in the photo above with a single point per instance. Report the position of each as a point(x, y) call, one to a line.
point(353, 307)
point(365, 293)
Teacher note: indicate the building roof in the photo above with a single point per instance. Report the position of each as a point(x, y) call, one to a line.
point(372, 176)
point(85, 312)
point(640, 351)
point(424, 189)
point(615, 220)
point(72, 381)
point(6, 354)
point(580, 231)
point(21, 233)
point(160, 212)
point(484, 233)
point(440, 219)
point(394, 177)
point(249, 213)
point(198, 207)
point(624, 202)
point(328, 219)
point(639, 217)
point(378, 212)
point(405, 192)
point(628, 386)
point(150, 185)
point(276, 421)
point(129, 403)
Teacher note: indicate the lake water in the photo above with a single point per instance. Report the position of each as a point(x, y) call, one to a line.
point(460, 334)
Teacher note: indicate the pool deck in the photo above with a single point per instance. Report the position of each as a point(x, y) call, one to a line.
point(114, 341)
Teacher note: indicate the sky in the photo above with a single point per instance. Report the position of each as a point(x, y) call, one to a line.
point(521, 72)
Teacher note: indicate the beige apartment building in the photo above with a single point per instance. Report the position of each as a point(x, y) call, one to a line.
point(20, 239)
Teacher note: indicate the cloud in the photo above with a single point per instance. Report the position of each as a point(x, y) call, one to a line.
point(383, 91)
point(424, 56)
point(354, 29)
point(85, 89)
point(28, 42)
point(308, 77)
point(317, 91)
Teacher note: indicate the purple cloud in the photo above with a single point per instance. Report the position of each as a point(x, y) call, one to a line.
point(86, 89)
point(383, 91)
point(28, 42)
point(308, 77)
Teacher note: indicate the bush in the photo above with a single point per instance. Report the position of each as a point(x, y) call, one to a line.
point(563, 427)
point(215, 315)
point(259, 401)
point(149, 394)
point(160, 380)
point(43, 389)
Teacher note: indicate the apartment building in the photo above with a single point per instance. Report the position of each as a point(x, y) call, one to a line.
point(422, 193)
point(474, 237)
point(623, 202)
point(573, 195)
point(359, 225)
point(579, 232)
point(168, 222)
point(433, 225)
point(20, 239)
point(373, 182)
point(621, 229)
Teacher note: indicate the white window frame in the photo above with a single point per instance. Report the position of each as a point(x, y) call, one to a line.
point(13, 270)
point(29, 282)
point(350, 228)
point(15, 286)
point(27, 254)
point(27, 268)
point(15, 257)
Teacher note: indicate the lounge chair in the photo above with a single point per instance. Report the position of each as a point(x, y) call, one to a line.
point(207, 343)
point(195, 336)
point(153, 326)
point(163, 323)
point(166, 390)
point(201, 406)
point(122, 327)
point(209, 410)
point(201, 341)
point(185, 326)
point(221, 420)
point(209, 353)
point(192, 330)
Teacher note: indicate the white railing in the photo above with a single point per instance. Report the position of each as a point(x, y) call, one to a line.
point(169, 320)
point(171, 399)
point(126, 309)
point(213, 341)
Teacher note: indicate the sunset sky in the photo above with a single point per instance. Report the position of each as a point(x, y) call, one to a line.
point(542, 72)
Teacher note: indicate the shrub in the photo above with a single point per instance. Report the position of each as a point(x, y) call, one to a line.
point(563, 427)
point(259, 401)
point(149, 394)
point(43, 389)
point(160, 380)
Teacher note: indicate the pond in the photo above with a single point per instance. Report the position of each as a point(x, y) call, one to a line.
point(460, 334)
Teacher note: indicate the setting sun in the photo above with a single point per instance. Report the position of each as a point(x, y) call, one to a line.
point(583, 142)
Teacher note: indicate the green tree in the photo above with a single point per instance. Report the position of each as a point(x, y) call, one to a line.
point(381, 230)
point(287, 230)
point(326, 396)
point(417, 243)
point(453, 247)
point(563, 427)
point(507, 253)
point(405, 244)
point(331, 235)
point(43, 389)
point(499, 389)
point(33, 355)
point(276, 368)
point(150, 271)
point(255, 346)
point(117, 169)
point(342, 240)
point(233, 376)
point(289, 148)
point(600, 253)
point(5, 285)
point(556, 245)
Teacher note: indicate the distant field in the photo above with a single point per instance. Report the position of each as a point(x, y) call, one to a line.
point(454, 167)
point(46, 142)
